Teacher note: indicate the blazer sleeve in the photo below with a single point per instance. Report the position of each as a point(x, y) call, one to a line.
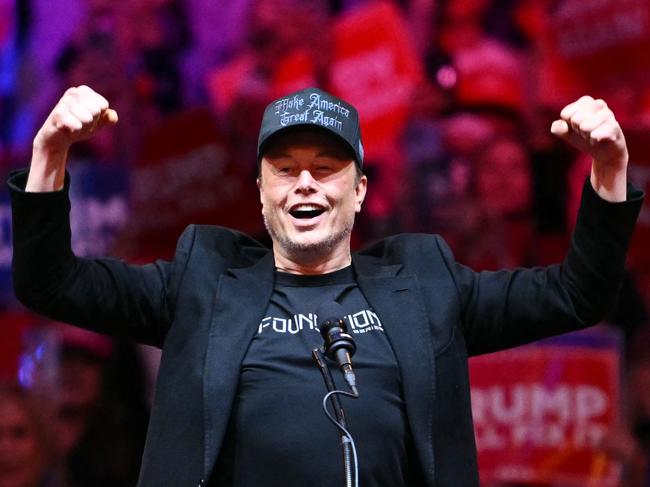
point(104, 295)
point(503, 309)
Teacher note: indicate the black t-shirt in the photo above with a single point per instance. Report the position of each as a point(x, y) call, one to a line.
point(278, 434)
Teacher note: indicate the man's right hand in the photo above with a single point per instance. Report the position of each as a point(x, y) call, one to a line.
point(77, 116)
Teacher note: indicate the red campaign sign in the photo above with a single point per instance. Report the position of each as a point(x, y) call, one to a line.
point(184, 174)
point(541, 411)
point(376, 68)
point(294, 72)
point(601, 43)
point(226, 84)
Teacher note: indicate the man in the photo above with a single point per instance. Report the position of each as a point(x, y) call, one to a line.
point(238, 399)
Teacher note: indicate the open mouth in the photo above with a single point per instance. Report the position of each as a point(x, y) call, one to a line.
point(305, 212)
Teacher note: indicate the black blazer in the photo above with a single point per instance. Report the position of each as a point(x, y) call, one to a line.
point(204, 306)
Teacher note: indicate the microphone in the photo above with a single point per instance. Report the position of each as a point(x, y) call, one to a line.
point(338, 343)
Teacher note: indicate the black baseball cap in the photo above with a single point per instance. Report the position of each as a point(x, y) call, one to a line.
point(312, 107)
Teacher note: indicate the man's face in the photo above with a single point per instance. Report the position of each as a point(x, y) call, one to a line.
point(309, 193)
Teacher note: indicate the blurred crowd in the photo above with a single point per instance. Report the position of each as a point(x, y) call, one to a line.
point(467, 154)
point(86, 427)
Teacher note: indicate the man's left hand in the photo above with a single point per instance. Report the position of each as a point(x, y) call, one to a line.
point(590, 126)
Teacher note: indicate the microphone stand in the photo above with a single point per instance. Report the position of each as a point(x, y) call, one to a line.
point(319, 358)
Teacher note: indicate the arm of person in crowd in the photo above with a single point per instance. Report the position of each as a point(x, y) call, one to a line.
point(77, 116)
point(590, 126)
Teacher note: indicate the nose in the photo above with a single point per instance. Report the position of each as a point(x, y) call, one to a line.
point(305, 182)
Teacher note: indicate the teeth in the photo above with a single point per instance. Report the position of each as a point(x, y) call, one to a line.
point(307, 208)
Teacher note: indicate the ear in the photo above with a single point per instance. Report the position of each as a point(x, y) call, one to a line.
point(360, 193)
point(261, 192)
point(259, 185)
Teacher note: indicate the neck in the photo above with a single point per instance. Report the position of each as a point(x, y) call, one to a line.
point(310, 263)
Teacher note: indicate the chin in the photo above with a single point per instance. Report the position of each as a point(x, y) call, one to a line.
point(320, 244)
point(317, 241)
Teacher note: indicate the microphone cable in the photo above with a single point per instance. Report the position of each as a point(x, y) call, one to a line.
point(346, 436)
point(347, 441)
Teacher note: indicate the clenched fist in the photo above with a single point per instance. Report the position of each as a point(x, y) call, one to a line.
point(590, 126)
point(77, 116)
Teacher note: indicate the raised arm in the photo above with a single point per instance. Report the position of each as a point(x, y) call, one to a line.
point(77, 116)
point(508, 308)
point(103, 294)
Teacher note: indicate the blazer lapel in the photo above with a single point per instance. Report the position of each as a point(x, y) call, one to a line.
point(397, 301)
point(241, 299)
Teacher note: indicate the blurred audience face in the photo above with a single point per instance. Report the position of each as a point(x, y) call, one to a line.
point(81, 383)
point(22, 445)
point(503, 178)
point(466, 133)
